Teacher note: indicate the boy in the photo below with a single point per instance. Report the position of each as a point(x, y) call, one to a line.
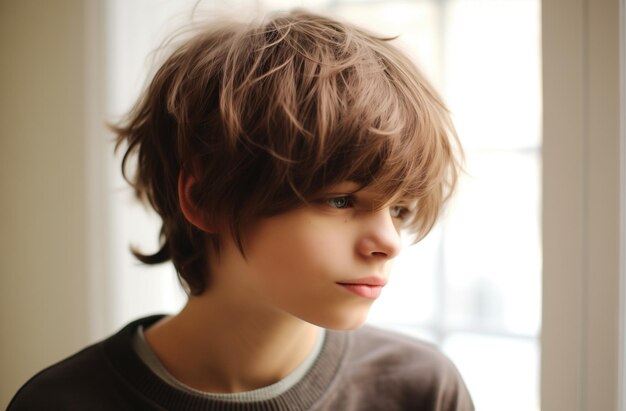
point(284, 159)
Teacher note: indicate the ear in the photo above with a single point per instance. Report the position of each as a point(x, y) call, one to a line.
point(191, 212)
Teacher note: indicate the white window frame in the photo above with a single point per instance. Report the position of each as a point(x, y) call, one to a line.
point(582, 336)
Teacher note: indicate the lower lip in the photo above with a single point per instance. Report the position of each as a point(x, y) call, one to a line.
point(370, 292)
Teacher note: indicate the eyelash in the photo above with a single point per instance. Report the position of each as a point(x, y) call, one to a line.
point(343, 202)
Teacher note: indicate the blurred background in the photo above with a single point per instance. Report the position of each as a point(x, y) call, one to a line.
point(534, 92)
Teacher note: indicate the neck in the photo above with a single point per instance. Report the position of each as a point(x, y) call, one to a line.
point(220, 345)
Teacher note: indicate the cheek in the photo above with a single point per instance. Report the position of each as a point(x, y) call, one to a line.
point(326, 236)
point(280, 252)
point(299, 250)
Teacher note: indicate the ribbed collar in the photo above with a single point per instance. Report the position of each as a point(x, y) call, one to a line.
point(118, 350)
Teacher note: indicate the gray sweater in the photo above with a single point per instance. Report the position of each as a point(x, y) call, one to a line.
point(366, 369)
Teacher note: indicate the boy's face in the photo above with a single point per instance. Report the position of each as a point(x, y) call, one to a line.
point(325, 263)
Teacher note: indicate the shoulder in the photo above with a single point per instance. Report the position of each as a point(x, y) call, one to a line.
point(60, 385)
point(393, 350)
point(85, 380)
point(406, 369)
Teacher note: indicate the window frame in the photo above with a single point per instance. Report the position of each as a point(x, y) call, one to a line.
point(583, 225)
point(583, 321)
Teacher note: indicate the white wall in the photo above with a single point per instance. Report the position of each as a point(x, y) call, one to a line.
point(43, 281)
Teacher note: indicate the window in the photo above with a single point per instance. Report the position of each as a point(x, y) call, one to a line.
point(473, 286)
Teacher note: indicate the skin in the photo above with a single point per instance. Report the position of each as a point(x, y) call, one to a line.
point(261, 316)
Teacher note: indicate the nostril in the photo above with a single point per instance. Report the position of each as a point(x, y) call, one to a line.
point(379, 254)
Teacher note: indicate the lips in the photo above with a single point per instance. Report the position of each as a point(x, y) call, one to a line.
point(369, 287)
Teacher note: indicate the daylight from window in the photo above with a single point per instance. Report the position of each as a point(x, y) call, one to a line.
point(473, 285)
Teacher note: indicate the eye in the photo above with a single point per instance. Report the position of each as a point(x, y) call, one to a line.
point(340, 202)
point(398, 211)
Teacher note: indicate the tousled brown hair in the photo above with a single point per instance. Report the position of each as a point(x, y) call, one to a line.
point(265, 116)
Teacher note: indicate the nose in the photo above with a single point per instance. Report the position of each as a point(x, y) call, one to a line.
point(380, 237)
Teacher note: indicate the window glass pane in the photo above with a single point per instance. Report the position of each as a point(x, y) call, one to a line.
point(492, 245)
point(501, 373)
point(411, 295)
point(492, 71)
